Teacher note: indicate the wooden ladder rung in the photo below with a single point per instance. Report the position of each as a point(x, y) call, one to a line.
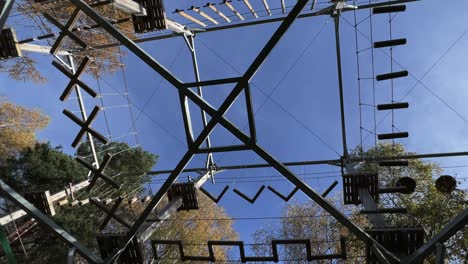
point(392, 106)
point(389, 43)
point(391, 75)
point(393, 135)
point(388, 9)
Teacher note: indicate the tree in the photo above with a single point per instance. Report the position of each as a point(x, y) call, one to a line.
point(18, 127)
point(102, 61)
point(426, 208)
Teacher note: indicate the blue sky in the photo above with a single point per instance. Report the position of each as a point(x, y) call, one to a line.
point(303, 109)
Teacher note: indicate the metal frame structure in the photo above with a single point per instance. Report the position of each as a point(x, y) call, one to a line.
point(142, 226)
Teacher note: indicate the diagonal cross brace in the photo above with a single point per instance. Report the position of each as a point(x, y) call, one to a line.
point(66, 30)
point(218, 118)
point(98, 172)
point(74, 79)
point(85, 126)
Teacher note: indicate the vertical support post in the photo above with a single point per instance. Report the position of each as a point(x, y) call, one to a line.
point(83, 113)
point(190, 41)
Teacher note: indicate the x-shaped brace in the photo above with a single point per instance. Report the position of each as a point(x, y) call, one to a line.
point(85, 126)
point(98, 172)
point(66, 31)
point(74, 79)
point(110, 213)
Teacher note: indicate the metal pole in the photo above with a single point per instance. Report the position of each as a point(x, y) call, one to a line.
point(336, 19)
point(190, 40)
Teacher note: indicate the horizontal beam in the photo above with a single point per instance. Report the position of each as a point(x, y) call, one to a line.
point(334, 162)
point(213, 82)
point(40, 49)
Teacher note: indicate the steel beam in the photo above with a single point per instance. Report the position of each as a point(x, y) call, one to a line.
point(49, 224)
point(6, 6)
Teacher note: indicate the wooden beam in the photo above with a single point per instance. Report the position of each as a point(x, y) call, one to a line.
point(216, 10)
point(267, 8)
point(228, 4)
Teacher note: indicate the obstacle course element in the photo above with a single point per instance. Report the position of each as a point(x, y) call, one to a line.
point(134, 253)
point(42, 201)
point(401, 241)
point(243, 257)
point(352, 183)
point(446, 184)
point(188, 193)
point(215, 199)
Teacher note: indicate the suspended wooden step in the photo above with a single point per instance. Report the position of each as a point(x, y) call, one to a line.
point(188, 193)
point(385, 211)
point(391, 75)
point(396, 163)
point(214, 199)
point(392, 106)
point(353, 182)
point(393, 135)
point(389, 43)
point(388, 9)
